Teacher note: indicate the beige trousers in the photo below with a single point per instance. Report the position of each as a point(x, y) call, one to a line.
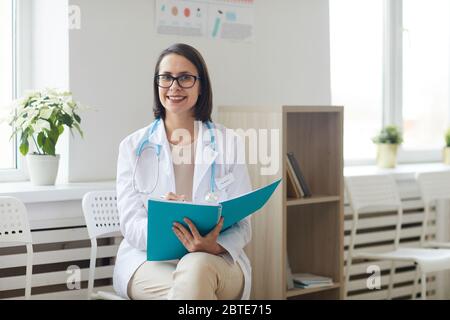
point(196, 276)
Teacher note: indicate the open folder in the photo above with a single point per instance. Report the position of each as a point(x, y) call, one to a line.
point(163, 244)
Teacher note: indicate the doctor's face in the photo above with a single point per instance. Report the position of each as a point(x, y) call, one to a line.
point(178, 99)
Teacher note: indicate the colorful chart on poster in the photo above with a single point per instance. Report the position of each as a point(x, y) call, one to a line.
point(214, 19)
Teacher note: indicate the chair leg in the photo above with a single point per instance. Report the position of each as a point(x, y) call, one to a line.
point(92, 268)
point(416, 283)
point(347, 276)
point(29, 271)
point(424, 286)
point(391, 280)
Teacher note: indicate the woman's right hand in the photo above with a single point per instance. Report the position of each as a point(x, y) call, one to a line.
point(175, 197)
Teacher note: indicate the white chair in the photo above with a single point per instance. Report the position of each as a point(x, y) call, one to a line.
point(369, 194)
point(15, 228)
point(102, 220)
point(433, 186)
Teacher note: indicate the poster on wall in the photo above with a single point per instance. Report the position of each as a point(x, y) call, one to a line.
point(214, 19)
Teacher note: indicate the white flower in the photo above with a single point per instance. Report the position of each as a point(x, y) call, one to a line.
point(20, 121)
point(67, 109)
point(22, 113)
point(46, 113)
point(32, 113)
point(40, 125)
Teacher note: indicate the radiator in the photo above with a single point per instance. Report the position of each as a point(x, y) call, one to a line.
point(61, 255)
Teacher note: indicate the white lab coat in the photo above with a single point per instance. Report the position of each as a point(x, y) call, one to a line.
point(133, 206)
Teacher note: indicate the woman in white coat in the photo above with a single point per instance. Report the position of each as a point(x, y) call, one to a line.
point(152, 163)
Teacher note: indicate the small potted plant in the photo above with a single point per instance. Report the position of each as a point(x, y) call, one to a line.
point(447, 147)
point(39, 119)
point(388, 140)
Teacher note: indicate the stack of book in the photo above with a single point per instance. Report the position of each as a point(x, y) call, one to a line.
point(297, 186)
point(308, 280)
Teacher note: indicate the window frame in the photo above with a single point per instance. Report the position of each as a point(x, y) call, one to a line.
point(21, 11)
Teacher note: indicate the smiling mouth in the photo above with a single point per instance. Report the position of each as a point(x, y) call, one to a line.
point(176, 98)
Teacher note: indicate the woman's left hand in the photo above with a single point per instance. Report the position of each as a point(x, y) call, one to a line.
point(193, 240)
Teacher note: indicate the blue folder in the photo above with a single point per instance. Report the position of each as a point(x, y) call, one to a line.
point(163, 244)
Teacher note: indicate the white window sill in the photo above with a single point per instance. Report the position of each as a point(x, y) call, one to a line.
point(401, 172)
point(28, 193)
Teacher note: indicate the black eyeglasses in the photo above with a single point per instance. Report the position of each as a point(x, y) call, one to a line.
point(185, 81)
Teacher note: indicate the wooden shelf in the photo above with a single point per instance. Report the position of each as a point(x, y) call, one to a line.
point(306, 233)
point(313, 199)
point(299, 291)
point(314, 136)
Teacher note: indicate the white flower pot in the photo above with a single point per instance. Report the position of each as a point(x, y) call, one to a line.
point(447, 155)
point(43, 169)
point(387, 155)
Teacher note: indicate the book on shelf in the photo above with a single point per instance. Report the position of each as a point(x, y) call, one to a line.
point(294, 189)
point(309, 280)
point(298, 173)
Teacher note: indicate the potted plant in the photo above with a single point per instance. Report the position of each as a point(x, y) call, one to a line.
point(39, 119)
point(388, 140)
point(447, 147)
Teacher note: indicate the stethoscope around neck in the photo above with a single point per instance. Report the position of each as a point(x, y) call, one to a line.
point(211, 196)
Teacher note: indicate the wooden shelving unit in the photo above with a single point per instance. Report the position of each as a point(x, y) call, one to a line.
point(299, 292)
point(313, 227)
point(309, 231)
point(310, 200)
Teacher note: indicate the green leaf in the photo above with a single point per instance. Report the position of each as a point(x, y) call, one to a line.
point(77, 117)
point(24, 136)
point(60, 129)
point(14, 133)
point(67, 120)
point(24, 147)
point(389, 134)
point(79, 129)
point(41, 139)
point(53, 117)
point(447, 137)
point(49, 147)
point(53, 134)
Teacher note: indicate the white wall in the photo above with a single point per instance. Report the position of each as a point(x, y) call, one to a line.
point(112, 59)
point(50, 53)
point(44, 56)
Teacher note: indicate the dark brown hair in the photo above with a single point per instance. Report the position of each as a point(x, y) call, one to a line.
point(203, 107)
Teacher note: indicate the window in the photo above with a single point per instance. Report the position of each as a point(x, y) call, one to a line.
point(7, 87)
point(356, 35)
point(426, 34)
point(390, 65)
